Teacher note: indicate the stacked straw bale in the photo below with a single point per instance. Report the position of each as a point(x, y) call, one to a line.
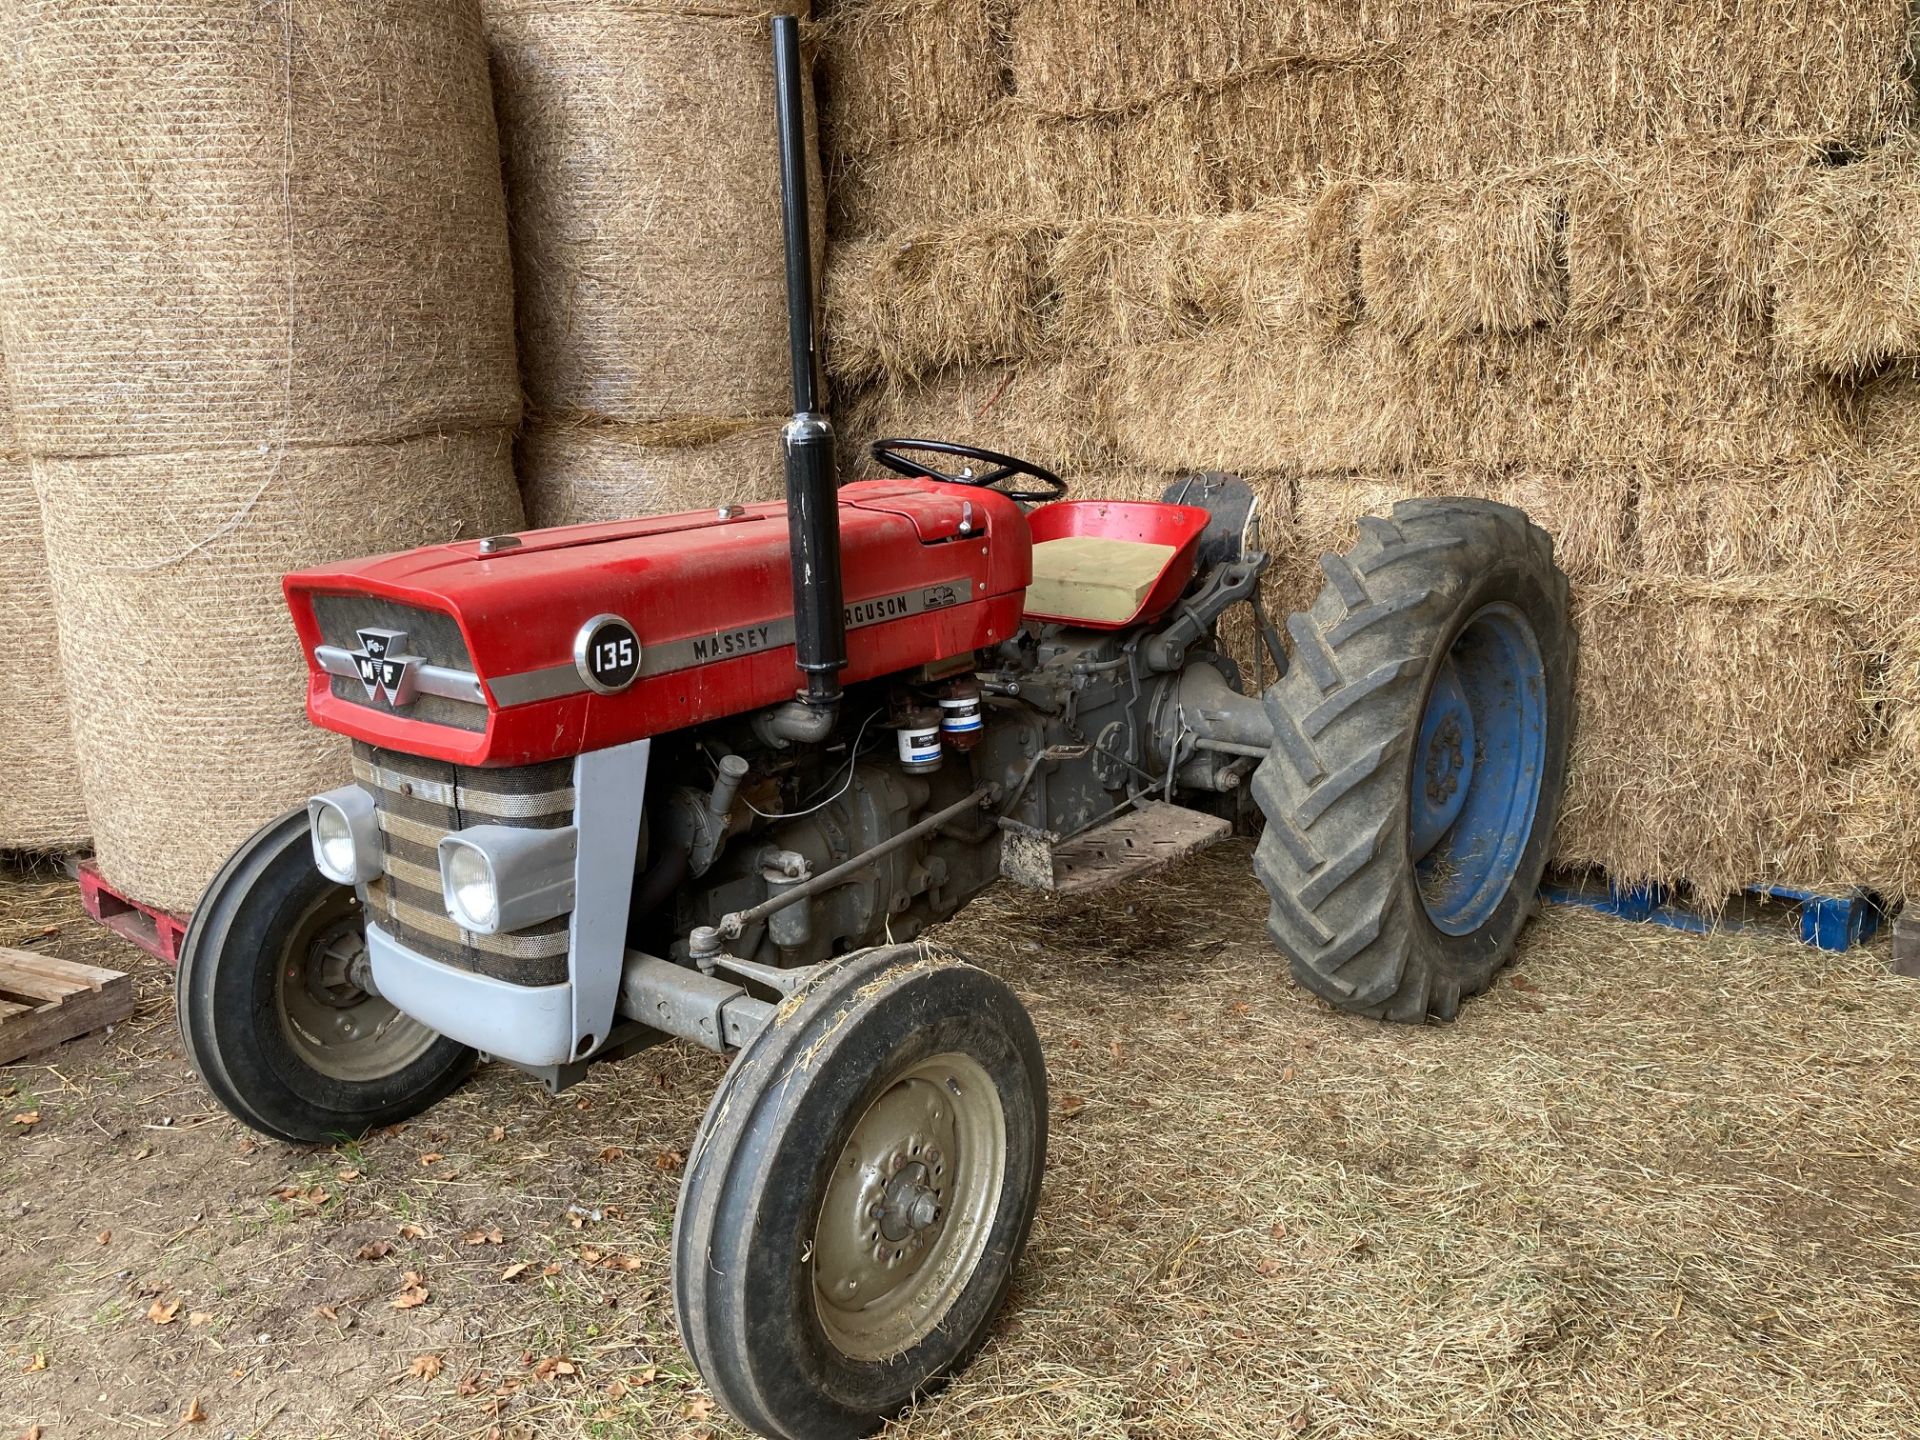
point(1645, 267)
point(255, 291)
point(40, 804)
point(639, 152)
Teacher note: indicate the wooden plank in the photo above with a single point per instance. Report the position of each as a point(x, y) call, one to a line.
point(85, 998)
point(69, 974)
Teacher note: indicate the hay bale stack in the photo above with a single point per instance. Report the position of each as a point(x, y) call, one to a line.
point(255, 289)
point(902, 70)
point(1640, 266)
point(610, 472)
point(40, 803)
point(638, 147)
point(1117, 106)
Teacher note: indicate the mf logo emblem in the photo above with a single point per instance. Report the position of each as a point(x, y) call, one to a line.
point(384, 670)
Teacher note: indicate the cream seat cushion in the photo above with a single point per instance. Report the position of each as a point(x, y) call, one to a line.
point(1094, 578)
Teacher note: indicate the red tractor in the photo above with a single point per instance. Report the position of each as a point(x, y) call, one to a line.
point(592, 810)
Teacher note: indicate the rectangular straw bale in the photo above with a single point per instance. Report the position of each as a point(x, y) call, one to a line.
point(1279, 270)
point(1233, 401)
point(897, 70)
point(1014, 165)
point(1871, 833)
point(1125, 281)
point(909, 302)
point(1538, 400)
point(1047, 411)
point(1433, 90)
point(1847, 276)
point(574, 474)
point(1878, 564)
point(1439, 263)
point(1730, 521)
point(1677, 238)
point(1086, 56)
point(1028, 166)
point(1709, 719)
point(1526, 82)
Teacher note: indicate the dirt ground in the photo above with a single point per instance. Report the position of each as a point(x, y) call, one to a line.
point(1652, 1185)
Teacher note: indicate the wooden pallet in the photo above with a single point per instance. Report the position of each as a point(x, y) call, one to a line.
point(44, 1001)
point(158, 932)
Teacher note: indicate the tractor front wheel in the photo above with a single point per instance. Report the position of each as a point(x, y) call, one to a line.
point(859, 1193)
point(273, 1011)
point(1419, 755)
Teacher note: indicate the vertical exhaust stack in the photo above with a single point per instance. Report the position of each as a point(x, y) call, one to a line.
point(813, 507)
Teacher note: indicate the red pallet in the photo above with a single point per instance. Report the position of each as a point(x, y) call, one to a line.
point(158, 932)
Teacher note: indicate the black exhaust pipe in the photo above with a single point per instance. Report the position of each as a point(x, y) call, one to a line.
point(813, 506)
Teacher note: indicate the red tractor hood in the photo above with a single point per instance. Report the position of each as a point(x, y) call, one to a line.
point(931, 571)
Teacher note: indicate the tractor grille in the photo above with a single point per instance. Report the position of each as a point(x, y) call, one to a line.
point(421, 800)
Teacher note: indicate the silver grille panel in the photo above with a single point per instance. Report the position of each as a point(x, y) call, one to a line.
point(467, 797)
point(418, 802)
point(442, 928)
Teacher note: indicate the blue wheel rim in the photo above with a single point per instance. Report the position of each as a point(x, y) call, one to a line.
point(1477, 769)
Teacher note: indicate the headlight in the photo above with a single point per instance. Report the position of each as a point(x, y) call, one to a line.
point(346, 836)
point(470, 893)
point(497, 878)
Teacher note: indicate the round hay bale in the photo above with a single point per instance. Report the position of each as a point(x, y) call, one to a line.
point(222, 224)
point(643, 183)
point(572, 474)
point(166, 572)
point(40, 805)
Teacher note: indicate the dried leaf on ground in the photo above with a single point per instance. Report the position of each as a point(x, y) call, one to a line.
point(163, 1312)
point(554, 1367)
point(413, 1292)
point(424, 1367)
point(374, 1250)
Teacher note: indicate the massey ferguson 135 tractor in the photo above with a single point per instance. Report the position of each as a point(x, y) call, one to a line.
point(590, 812)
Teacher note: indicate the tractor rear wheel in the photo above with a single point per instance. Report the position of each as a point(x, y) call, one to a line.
point(859, 1193)
point(272, 1010)
point(1419, 757)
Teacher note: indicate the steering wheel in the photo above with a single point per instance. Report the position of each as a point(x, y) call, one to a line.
point(1003, 467)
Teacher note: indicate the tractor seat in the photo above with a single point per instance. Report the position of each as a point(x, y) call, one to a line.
point(1094, 579)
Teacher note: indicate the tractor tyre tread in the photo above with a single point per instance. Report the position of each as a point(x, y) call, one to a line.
point(1334, 787)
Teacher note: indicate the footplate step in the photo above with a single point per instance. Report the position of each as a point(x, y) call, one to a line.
point(1110, 854)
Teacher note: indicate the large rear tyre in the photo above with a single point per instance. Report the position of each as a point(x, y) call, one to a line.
point(273, 1011)
point(859, 1193)
point(1419, 758)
